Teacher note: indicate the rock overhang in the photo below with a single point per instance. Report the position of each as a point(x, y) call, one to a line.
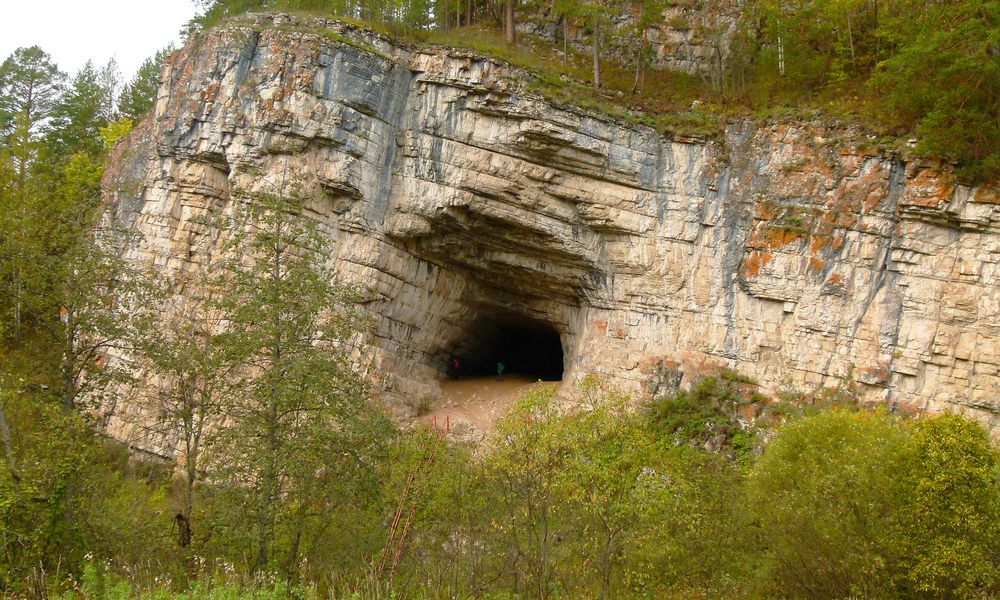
point(455, 196)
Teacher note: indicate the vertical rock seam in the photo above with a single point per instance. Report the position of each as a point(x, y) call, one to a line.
point(794, 253)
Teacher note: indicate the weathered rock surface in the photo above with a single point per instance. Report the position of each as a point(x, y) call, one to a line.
point(791, 253)
point(693, 37)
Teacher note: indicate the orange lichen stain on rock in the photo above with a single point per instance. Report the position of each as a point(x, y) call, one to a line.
point(600, 327)
point(755, 262)
point(871, 201)
point(770, 238)
point(816, 263)
point(765, 211)
point(817, 243)
point(864, 193)
point(210, 93)
point(618, 333)
point(835, 279)
point(928, 188)
point(986, 195)
point(780, 237)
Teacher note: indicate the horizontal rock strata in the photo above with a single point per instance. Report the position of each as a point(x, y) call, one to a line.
point(796, 254)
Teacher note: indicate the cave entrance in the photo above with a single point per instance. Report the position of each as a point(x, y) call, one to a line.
point(527, 347)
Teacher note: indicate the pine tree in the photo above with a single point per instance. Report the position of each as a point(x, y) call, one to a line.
point(30, 84)
point(139, 95)
point(86, 106)
point(29, 87)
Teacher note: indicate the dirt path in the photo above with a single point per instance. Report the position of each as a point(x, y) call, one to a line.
point(477, 402)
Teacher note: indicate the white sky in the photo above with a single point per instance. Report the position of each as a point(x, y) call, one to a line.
point(72, 31)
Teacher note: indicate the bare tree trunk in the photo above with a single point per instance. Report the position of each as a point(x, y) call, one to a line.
point(191, 472)
point(68, 361)
point(509, 34)
point(468, 14)
point(18, 290)
point(183, 530)
point(565, 32)
point(850, 38)
point(781, 57)
point(18, 331)
point(269, 478)
point(721, 70)
point(640, 62)
point(8, 450)
point(878, 38)
point(597, 51)
point(293, 552)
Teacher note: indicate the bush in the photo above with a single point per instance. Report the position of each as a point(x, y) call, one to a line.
point(708, 414)
point(949, 531)
point(822, 493)
point(862, 504)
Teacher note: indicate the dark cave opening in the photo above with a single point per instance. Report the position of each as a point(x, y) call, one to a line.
point(527, 348)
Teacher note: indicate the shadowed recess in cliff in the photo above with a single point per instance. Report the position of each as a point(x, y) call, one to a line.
point(460, 202)
point(525, 347)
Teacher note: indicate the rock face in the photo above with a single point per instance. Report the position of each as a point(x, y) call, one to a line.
point(693, 37)
point(793, 253)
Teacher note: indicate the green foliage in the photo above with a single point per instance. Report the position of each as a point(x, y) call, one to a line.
point(822, 494)
point(949, 533)
point(67, 301)
point(113, 132)
point(735, 377)
point(452, 549)
point(906, 66)
point(588, 502)
point(82, 110)
point(859, 504)
point(527, 466)
point(64, 492)
point(30, 85)
point(708, 413)
point(299, 449)
point(943, 76)
point(631, 503)
point(100, 581)
point(138, 96)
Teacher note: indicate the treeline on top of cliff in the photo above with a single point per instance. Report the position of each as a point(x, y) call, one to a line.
point(923, 68)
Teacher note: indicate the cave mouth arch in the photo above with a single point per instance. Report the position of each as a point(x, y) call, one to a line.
point(527, 347)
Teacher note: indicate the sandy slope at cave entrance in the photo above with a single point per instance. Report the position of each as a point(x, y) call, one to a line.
point(478, 401)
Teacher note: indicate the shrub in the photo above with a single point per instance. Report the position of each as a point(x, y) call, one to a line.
point(822, 493)
point(709, 411)
point(949, 501)
point(863, 504)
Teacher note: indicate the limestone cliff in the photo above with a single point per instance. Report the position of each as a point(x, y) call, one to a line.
point(693, 37)
point(793, 253)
